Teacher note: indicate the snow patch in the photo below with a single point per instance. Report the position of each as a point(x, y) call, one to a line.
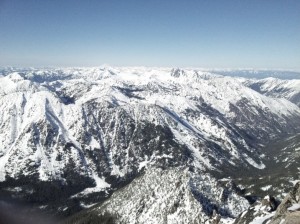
point(294, 207)
point(253, 163)
point(100, 186)
point(266, 188)
point(262, 219)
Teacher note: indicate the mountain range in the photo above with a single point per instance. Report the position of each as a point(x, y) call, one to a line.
point(145, 145)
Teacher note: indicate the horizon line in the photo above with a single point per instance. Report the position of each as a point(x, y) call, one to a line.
point(155, 67)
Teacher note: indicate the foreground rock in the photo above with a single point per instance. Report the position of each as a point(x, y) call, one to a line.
point(289, 209)
point(287, 212)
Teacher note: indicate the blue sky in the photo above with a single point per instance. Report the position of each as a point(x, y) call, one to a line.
point(173, 33)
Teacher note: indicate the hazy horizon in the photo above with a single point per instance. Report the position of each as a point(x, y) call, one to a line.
point(234, 72)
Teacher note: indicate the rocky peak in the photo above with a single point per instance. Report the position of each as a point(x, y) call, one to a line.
point(289, 209)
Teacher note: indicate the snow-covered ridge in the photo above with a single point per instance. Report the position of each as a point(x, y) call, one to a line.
point(58, 97)
point(214, 88)
point(273, 87)
point(43, 111)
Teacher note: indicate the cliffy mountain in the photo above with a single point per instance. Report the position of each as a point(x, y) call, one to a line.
point(151, 145)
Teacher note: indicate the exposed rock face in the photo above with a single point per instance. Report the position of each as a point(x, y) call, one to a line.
point(259, 212)
point(287, 212)
point(289, 209)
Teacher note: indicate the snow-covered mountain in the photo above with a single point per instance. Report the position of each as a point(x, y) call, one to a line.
point(273, 87)
point(259, 73)
point(82, 133)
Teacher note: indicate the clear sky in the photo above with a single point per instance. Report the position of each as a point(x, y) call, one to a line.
point(172, 33)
